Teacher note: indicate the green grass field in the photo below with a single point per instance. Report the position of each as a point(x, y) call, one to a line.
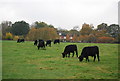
point(25, 61)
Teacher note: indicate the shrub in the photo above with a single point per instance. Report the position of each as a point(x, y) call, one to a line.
point(105, 39)
point(16, 38)
point(9, 36)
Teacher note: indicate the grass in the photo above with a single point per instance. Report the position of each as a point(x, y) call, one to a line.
point(25, 61)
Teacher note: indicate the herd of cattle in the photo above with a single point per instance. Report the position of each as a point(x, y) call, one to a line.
point(86, 51)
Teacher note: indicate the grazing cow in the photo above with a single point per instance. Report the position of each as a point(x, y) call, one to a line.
point(20, 40)
point(41, 44)
point(40, 40)
point(35, 42)
point(48, 42)
point(89, 51)
point(70, 49)
point(57, 41)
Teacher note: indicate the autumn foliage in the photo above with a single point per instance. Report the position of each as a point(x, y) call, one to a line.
point(105, 39)
point(9, 36)
point(42, 33)
point(67, 37)
point(41, 30)
point(15, 37)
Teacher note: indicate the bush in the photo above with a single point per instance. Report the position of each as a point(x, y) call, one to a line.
point(16, 38)
point(105, 39)
point(9, 36)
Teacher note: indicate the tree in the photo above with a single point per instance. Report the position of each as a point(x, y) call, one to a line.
point(74, 32)
point(101, 33)
point(113, 30)
point(84, 38)
point(75, 28)
point(67, 37)
point(42, 33)
point(51, 26)
point(32, 34)
point(108, 31)
point(92, 38)
point(102, 26)
point(42, 24)
point(20, 28)
point(75, 38)
point(6, 27)
point(86, 29)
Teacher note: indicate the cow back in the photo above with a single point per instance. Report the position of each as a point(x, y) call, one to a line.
point(70, 48)
point(90, 51)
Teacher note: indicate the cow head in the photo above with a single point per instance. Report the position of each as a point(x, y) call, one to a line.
point(63, 54)
point(80, 58)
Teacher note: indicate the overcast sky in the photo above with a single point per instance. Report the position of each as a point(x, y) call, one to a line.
point(60, 13)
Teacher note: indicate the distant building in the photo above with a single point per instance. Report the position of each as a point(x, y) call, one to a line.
point(63, 37)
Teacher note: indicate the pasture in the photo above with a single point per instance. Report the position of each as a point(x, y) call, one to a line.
point(25, 61)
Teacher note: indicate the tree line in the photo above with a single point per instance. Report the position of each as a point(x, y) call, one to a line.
point(103, 33)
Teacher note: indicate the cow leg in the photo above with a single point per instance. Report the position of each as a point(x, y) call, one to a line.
point(94, 58)
point(65, 55)
point(98, 57)
point(87, 59)
point(38, 48)
point(44, 46)
point(76, 53)
point(73, 54)
point(68, 54)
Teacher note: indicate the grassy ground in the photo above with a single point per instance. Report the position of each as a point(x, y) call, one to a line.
point(25, 61)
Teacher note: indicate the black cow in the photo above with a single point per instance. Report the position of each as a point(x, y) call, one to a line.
point(57, 41)
point(70, 49)
point(89, 51)
point(48, 42)
point(35, 42)
point(20, 40)
point(40, 40)
point(41, 44)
